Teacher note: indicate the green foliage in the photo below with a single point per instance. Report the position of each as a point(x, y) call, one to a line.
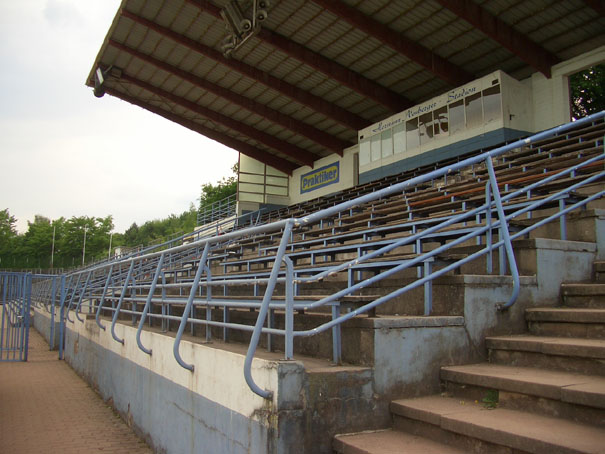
point(34, 248)
point(588, 91)
point(60, 242)
point(213, 193)
point(159, 230)
point(8, 234)
point(491, 399)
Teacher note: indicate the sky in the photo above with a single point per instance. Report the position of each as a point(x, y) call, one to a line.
point(65, 153)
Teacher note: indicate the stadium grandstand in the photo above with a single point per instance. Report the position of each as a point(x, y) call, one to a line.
point(414, 261)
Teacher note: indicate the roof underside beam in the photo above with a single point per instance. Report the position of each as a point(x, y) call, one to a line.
point(517, 43)
point(356, 82)
point(336, 113)
point(439, 66)
point(238, 145)
point(320, 137)
point(297, 154)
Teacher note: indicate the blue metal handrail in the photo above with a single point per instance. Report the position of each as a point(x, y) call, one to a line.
point(146, 267)
point(218, 210)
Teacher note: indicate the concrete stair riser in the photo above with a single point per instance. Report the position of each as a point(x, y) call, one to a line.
point(567, 322)
point(567, 387)
point(584, 295)
point(558, 353)
point(555, 362)
point(460, 441)
point(564, 329)
point(543, 406)
point(390, 442)
point(599, 270)
point(478, 429)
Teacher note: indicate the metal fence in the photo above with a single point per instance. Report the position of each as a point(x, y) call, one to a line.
point(15, 291)
point(218, 210)
point(182, 284)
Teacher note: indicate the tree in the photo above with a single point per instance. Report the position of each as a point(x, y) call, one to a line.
point(213, 193)
point(71, 246)
point(8, 233)
point(37, 241)
point(587, 91)
point(132, 235)
point(8, 239)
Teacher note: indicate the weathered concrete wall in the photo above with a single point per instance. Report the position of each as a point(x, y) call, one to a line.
point(43, 321)
point(409, 351)
point(210, 410)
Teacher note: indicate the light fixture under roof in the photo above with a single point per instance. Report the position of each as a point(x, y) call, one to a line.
point(242, 22)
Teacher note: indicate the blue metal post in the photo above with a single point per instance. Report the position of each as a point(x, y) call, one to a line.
point(148, 304)
point(200, 269)
point(119, 306)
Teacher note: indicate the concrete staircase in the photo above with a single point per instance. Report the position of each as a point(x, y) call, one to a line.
point(541, 392)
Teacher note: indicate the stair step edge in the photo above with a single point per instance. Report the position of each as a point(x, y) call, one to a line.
point(388, 442)
point(516, 429)
point(561, 346)
point(571, 388)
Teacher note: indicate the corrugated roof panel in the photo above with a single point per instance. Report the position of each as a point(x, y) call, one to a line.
point(183, 89)
point(564, 27)
point(168, 13)
point(291, 16)
point(168, 51)
point(150, 9)
point(135, 5)
point(122, 30)
point(568, 49)
point(306, 23)
point(190, 61)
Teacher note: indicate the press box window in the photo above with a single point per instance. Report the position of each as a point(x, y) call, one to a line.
point(492, 104)
point(456, 122)
point(387, 142)
point(474, 111)
point(399, 138)
point(412, 137)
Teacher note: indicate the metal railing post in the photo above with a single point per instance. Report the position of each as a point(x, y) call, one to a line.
point(82, 296)
point(119, 306)
point(26, 315)
point(505, 237)
point(262, 313)
point(102, 302)
point(200, 269)
point(62, 316)
point(52, 312)
point(148, 304)
point(289, 316)
point(73, 294)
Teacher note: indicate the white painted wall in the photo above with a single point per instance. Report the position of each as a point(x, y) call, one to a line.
point(534, 104)
point(551, 100)
point(218, 374)
point(346, 180)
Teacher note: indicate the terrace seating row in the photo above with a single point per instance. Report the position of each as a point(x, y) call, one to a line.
point(358, 231)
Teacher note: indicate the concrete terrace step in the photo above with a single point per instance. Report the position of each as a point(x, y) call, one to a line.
point(588, 295)
point(478, 429)
point(578, 355)
point(567, 322)
point(576, 389)
point(389, 442)
point(585, 348)
point(563, 314)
